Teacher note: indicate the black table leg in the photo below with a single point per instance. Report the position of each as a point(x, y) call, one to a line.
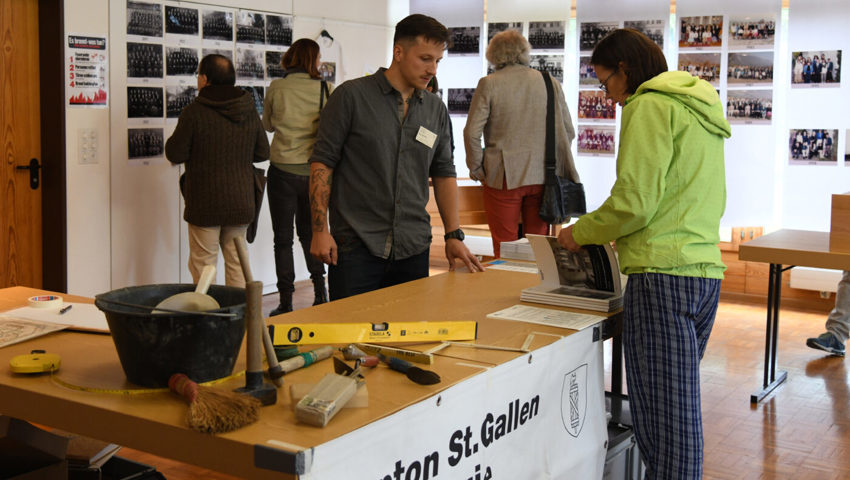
point(774, 294)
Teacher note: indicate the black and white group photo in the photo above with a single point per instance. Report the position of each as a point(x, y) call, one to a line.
point(749, 106)
point(144, 142)
point(816, 68)
point(592, 33)
point(181, 61)
point(177, 97)
point(257, 93)
point(181, 21)
point(813, 145)
point(144, 60)
point(459, 100)
point(279, 30)
point(546, 35)
point(249, 64)
point(250, 28)
point(499, 27)
point(144, 102)
point(273, 68)
point(595, 139)
point(586, 73)
point(701, 31)
point(554, 64)
point(592, 105)
point(218, 51)
point(654, 29)
point(702, 65)
point(751, 31)
point(750, 68)
point(144, 19)
point(464, 40)
point(218, 25)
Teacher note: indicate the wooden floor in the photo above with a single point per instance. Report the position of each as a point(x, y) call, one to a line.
point(801, 431)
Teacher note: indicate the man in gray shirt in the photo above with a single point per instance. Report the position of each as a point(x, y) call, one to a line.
point(381, 137)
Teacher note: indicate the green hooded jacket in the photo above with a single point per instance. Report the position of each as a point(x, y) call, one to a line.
point(665, 206)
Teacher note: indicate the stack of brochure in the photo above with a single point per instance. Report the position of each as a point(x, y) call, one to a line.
point(589, 279)
point(517, 250)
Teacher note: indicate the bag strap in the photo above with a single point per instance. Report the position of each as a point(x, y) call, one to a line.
point(323, 94)
point(550, 124)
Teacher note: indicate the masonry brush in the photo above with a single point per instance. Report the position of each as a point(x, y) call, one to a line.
point(415, 374)
point(212, 410)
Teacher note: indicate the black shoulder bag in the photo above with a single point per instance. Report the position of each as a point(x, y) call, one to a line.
point(562, 198)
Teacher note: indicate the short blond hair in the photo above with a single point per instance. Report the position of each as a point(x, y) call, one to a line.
point(508, 48)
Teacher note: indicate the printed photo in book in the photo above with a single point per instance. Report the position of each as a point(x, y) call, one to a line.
point(588, 279)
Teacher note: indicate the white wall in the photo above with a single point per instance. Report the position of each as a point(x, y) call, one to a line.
point(125, 222)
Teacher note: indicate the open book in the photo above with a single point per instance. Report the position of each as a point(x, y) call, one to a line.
point(589, 279)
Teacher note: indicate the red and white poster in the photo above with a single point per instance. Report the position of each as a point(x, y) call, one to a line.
point(86, 78)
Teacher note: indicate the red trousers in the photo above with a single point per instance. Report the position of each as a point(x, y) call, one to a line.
point(506, 207)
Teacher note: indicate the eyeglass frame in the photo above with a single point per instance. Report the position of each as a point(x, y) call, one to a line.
point(604, 84)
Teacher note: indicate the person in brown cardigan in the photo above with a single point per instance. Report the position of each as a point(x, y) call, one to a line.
point(218, 138)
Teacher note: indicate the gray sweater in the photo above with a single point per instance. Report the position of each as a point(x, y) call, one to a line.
point(218, 137)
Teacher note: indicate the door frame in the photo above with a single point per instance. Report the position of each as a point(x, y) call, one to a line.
point(51, 35)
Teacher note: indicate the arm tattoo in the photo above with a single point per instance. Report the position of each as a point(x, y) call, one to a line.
point(320, 194)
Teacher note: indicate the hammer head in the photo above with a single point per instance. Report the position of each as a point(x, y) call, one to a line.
point(266, 393)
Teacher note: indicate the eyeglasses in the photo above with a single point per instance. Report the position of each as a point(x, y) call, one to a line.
point(604, 85)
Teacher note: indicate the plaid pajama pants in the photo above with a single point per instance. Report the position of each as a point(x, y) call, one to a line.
point(667, 321)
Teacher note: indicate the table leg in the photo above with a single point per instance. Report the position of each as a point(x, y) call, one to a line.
point(774, 294)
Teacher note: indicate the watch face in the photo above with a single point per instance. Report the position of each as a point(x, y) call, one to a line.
point(458, 234)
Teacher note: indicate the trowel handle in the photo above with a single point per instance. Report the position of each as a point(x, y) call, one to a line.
point(206, 279)
point(254, 325)
point(274, 367)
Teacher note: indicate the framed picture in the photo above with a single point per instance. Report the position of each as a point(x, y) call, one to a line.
point(749, 106)
point(592, 33)
point(752, 32)
point(750, 68)
point(586, 74)
point(816, 68)
point(700, 32)
point(809, 146)
point(465, 40)
point(554, 64)
point(702, 65)
point(459, 100)
point(499, 27)
point(592, 105)
point(654, 29)
point(596, 140)
point(546, 35)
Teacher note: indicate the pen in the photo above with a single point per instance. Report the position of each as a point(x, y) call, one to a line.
point(64, 309)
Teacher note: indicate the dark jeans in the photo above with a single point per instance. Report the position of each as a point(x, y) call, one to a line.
point(288, 199)
point(358, 271)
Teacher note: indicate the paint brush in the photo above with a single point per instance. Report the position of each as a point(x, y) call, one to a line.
point(415, 374)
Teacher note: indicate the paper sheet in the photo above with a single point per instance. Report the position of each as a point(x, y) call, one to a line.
point(81, 316)
point(546, 316)
point(512, 266)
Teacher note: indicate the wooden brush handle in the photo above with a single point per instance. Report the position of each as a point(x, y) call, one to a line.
point(183, 386)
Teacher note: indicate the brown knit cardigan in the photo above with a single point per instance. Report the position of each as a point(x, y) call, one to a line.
point(218, 137)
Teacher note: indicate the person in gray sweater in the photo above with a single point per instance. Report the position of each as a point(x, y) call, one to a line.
point(218, 138)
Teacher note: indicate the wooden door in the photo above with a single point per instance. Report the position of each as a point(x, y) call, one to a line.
point(20, 141)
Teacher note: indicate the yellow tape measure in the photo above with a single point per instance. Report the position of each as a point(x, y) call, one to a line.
point(132, 391)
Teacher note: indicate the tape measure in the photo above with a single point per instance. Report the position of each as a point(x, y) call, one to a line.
point(38, 361)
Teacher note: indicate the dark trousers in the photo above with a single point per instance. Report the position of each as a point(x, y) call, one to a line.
point(358, 271)
point(288, 200)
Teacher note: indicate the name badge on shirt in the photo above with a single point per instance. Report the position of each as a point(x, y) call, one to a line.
point(426, 137)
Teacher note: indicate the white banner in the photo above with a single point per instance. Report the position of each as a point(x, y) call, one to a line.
point(539, 416)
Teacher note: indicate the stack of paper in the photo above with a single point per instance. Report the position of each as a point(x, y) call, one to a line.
point(517, 250)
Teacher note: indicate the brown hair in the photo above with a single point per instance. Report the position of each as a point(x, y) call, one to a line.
point(302, 55)
point(643, 58)
point(416, 25)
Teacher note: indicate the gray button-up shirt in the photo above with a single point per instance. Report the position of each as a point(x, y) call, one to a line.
point(380, 168)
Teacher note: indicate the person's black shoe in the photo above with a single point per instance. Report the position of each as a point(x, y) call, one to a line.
point(321, 293)
point(284, 307)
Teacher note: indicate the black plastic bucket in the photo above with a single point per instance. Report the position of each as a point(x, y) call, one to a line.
point(152, 347)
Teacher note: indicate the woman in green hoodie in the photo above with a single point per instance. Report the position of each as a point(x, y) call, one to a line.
point(664, 214)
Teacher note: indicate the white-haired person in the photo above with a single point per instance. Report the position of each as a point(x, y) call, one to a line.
point(509, 111)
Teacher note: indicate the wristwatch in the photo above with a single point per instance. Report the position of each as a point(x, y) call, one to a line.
point(458, 234)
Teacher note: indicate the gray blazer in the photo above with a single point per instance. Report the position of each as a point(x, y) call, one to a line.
point(509, 109)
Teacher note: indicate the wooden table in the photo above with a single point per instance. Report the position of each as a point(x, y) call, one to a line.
point(277, 446)
point(783, 250)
